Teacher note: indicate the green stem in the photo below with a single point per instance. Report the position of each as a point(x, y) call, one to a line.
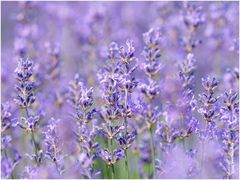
point(184, 144)
point(149, 170)
point(35, 147)
point(113, 172)
point(153, 153)
point(125, 134)
point(231, 152)
point(33, 141)
point(112, 166)
point(203, 148)
point(232, 158)
point(126, 163)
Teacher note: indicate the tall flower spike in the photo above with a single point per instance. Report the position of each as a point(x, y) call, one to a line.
point(81, 100)
point(151, 67)
point(25, 88)
point(25, 99)
point(152, 40)
point(128, 84)
point(187, 68)
point(229, 136)
point(53, 144)
point(75, 92)
point(207, 99)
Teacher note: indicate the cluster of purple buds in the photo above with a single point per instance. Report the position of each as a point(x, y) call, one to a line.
point(126, 142)
point(27, 123)
point(166, 133)
point(53, 146)
point(187, 68)
point(89, 149)
point(25, 87)
point(208, 107)
point(152, 53)
point(111, 157)
point(81, 100)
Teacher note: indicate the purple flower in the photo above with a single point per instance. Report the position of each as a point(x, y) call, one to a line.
point(111, 131)
point(187, 68)
point(80, 98)
point(53, 144)
point(150, 90)
point(29, 123)
point(229, 134)
point(207, 99)
point(26, 86)
point(127, 55)
point(75, 91)
point(125, 142)
point(111, 158)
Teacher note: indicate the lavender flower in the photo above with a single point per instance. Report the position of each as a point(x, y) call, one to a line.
point(151, 67)
point(25, 88)
point(82, 100)
point(187, 68)
point(25, 99)
point(53, 144)
point(229, 114)
point(111, 158)
point(207, 99)
point(125, 142)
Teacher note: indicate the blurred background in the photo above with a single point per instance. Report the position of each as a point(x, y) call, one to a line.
point(83, 30)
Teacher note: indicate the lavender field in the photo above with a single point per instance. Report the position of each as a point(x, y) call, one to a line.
point(120, 90)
